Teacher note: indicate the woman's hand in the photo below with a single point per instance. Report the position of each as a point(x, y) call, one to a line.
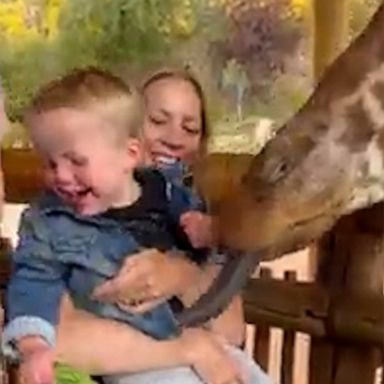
point(146, 279)
point(208, 356)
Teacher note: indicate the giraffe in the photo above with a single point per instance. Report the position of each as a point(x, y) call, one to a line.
point(325, 162)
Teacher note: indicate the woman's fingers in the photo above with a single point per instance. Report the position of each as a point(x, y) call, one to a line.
point(140, 306)
point(109, 290)
point(133, 284)
point(147, 276)
point(144, 260)
point(128, 280)
point(114, 289)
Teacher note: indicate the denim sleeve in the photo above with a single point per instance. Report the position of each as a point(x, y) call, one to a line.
point(183, 199)
point(36, 285)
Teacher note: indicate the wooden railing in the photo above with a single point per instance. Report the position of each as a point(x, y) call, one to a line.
point(261, 342)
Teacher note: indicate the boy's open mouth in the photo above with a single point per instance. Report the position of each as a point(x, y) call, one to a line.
point(74, 196)
point(84, 192)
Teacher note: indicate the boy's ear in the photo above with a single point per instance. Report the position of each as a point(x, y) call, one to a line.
point(135, 152)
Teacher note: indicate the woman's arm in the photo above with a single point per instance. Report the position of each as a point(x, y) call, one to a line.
point(82, 343)
point(230, 323)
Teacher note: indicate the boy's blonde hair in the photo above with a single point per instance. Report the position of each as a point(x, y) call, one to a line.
point(95, 91)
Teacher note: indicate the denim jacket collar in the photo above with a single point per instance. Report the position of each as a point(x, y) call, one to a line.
point(52, 204)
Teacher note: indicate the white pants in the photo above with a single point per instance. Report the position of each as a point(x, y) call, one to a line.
point(186, 375)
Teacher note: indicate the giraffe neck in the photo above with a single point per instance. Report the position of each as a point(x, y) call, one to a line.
point(357, 124)
point(344, 120)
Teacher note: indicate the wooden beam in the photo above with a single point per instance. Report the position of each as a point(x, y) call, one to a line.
point(309, 308)
point(291, 306)
point(23, 177)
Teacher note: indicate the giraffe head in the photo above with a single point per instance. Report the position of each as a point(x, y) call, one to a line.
point(327, 161)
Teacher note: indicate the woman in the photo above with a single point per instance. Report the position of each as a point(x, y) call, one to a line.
point(175, 128)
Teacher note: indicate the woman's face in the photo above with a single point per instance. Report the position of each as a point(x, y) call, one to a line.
point(173, 126)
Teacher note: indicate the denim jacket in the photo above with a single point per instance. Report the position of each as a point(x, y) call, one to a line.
point(177, 175)
point(59, 250)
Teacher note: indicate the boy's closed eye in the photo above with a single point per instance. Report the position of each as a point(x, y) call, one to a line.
point(77, 160)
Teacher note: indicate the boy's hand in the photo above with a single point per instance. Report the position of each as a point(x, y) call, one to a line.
point(198, 227)
point(37, 366)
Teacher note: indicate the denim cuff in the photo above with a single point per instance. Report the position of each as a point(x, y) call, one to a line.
point(25, 326)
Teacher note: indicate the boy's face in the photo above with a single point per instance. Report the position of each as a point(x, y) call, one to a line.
point(85, 163)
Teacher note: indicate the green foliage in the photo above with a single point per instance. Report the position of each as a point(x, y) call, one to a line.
point(111, 32)
point(68, 375)
point(360, 12)
point(107, 33)
point(22, 69)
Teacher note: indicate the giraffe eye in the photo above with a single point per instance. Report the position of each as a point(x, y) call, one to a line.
point(279, 171)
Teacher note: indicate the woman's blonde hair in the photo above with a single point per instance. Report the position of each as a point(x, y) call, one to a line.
point(95, 91)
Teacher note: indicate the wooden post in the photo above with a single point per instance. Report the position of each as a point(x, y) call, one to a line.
point(352, 262)
point(288, 349)
point(331, 32)
point(263, 334)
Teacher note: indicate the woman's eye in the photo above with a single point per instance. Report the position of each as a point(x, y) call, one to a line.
point(192, 130)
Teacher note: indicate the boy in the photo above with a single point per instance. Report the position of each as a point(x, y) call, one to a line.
point(86, 126)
